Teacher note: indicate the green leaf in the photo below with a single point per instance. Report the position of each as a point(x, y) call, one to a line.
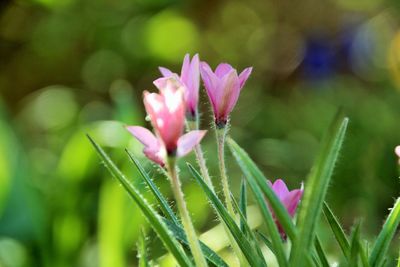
point(154, 219)
point(254, 176)
point(247, 230)
point(211, 256)
point(240, 238)
point(354, 247)
point(378, 253)
point(166, 209)
point(316, 188)
point(266, 241)
point(243, 204)
point(321, 253)
point(337, 230)
point(142, 250)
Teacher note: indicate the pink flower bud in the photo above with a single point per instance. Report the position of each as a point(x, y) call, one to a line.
point(223, 88)
point(289, 199)
point(190, 79)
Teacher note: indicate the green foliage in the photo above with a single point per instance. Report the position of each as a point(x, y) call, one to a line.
point(316, 188)
point(154, 219)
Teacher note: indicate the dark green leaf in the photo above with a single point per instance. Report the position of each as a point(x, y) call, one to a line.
point(167, 211)
point(254, 176)
point(240, 238)
point(154, 219)
point(210, 255)
point(316, 188)
point(381, 245)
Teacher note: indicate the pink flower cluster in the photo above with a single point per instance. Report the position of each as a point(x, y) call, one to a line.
point(177, 100)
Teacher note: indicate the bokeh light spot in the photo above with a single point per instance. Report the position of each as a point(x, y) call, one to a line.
point(170, 35)
point(54, 107)
point(102, 68)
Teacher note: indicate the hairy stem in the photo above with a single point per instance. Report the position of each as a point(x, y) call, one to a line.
point(185, 217)
point(194, 125)
point(221, 133)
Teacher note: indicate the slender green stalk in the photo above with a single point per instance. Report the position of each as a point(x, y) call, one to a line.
point(221, 134)
point(194, 125)
point(194, 244)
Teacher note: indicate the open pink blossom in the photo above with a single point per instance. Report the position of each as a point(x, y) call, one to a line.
point(223, 88)
point(397, 151)
point(289, 199)
point(167, 115)
point(190, 78)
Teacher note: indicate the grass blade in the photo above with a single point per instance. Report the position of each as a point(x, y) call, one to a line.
point(247, 230)
point(316, 188)
point(243, 204)
point(381, 245)
point(266, 241)
point(240, 238)
point(154, 219)
point(166, 209)
point(210, 255)
point(354, 247)
point(142, 250)
point(337, 230)
point(254, 176)
point(321, 253)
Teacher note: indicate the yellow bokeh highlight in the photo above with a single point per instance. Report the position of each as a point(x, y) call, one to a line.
point(170, 35)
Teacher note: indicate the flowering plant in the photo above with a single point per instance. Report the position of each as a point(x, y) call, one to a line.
point(290, 217)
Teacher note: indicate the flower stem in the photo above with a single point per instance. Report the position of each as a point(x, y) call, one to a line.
point(221, 134)
point(186, 221)
point(194, 125)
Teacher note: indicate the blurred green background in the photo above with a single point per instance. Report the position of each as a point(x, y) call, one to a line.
point(71, 67)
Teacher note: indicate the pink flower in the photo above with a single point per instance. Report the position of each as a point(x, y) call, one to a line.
point(397, 151)
point(223, 88)
point(167, 114)
point(289, 199)
point(190, 78)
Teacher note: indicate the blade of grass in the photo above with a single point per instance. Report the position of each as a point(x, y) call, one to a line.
point(243, 204)
point(142, 250)
point(337, 230)
point(266, 241)
point(272, 228)
point(381, 245)
point(354, 247)
point(163, 203)
point(321, 253)
point(240, 238)
point(154, 219)
point(316, 188)
point(247, 230)
point(211, 256)
point(254, 176)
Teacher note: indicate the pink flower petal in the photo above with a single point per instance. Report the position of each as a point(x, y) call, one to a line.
point(292, 200)
point(152, 148)
point(210, 83)
point(190, 77)
point(244, 76)
point(223, 69)
point(165, 72)
point(188, 141)
point(144, 136)
point(280, 189)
